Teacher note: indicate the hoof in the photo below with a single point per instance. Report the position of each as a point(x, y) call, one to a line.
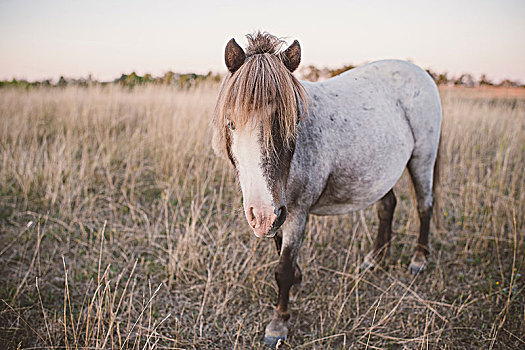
point(369, 262)
point(275, 333)
point(418, 263)
point(274, 342)
point(415, 269)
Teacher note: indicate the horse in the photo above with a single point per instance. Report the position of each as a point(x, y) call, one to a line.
point(324, 148)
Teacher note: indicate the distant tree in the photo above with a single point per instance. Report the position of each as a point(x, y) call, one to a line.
point(434, 75)
point(133, 79)
point(122, 80)
point(483, 80)
point(147, 79)
point(442, 79)
point(62, 82)
point(216, 78)
point(509, 83)
point(337, 71)
point(465, 80)
point(187, 80)
point(311, 73)
point(168, 78)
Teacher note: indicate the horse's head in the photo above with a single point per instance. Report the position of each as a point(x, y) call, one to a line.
point(255, 124)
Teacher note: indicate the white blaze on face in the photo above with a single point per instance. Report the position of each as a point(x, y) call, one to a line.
point(258, 207)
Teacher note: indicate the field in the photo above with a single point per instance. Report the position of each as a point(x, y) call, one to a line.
point(120, 229)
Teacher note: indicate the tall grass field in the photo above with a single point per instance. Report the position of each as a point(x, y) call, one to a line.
point(120, 229)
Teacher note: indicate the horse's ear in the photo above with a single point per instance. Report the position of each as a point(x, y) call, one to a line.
point(292, 56)
point(234, 56)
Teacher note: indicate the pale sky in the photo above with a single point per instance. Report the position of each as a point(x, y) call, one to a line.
point(46, 39)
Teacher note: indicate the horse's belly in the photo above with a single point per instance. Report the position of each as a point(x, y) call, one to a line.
point(337, 201)
point(346, 190)
point(341, 198)
point(336, 209)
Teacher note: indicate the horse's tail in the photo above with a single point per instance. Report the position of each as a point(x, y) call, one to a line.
point(436, 185)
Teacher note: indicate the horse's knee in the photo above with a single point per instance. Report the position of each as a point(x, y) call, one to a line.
point(425, 212)
point(287, 272)
point(425, 205)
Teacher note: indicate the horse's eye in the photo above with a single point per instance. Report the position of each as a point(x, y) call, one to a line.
point(230, 124)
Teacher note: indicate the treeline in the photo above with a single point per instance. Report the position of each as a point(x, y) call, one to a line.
point(127, 80)
point(311, 73)
point(468, 80)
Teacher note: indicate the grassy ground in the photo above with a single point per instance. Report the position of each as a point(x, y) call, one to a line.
point(119, 229)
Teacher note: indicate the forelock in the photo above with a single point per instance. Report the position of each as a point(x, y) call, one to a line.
point(259, 43)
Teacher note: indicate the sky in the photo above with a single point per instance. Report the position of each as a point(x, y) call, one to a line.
point(47, 39)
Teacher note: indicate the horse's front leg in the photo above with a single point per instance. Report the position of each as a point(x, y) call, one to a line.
point(287, 274)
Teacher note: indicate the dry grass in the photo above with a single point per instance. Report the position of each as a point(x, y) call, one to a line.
point(120, 229)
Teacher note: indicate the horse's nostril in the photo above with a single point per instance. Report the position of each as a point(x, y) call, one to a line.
point(251, 217)
point(282, 211)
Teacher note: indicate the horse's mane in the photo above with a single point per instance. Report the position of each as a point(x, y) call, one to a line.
point(261, 88)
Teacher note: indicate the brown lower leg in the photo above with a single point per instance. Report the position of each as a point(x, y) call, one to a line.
point(385, 212)
point(424, 220)
point(285, 276)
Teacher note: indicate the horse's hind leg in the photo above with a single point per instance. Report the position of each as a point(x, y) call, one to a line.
point(421, 172)
point(385, 212)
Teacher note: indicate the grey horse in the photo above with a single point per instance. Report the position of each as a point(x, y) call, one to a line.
point(324, 148)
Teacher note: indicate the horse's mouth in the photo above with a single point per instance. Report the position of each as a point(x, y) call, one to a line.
point(276, 224)
point(271, 233)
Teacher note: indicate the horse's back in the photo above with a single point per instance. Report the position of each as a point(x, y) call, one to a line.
point(411, 87)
